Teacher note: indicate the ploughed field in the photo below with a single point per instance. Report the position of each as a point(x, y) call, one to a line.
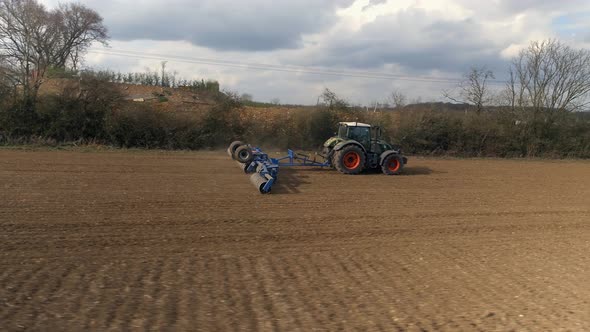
point(164, 241)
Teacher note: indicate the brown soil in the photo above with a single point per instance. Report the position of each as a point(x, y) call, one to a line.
point(163, 241)
point(174, 99)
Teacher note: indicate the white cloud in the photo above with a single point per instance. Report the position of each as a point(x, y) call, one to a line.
point(512, 50)
point(440, 38)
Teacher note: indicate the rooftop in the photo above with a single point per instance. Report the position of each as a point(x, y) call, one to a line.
point(355, 124)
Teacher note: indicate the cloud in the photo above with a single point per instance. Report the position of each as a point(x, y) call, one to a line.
point(515, 7)
point(253, 25)
point(409, 38)
point(417, 41)
point(373, 3)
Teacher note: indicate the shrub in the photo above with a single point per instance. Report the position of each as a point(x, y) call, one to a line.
point(95, 112)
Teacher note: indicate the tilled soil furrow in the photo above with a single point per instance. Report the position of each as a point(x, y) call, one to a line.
point(26, 281)
point(332, 292)
point(182, 241)
point(294, 284)
point(377, 318)
point(187, 291)
point(153, 290)
point(242, 290)
point(168, 318)
point(387, 300)
point(268, 308)
point(284, 294)
point(253, 292)
point(96, 301)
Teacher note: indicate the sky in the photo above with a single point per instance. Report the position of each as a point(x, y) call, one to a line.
point(360, 49)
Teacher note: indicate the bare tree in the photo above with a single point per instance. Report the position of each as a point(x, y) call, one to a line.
point(549, 78)
point(74, 28)
point(373, 106)
point(19, 23)
point(331, 100)
point(417, 100)
point(7, 82)
point(474, 89)
point(32, 39)
point(397, 99)
point(246, 98)
point(5, 86)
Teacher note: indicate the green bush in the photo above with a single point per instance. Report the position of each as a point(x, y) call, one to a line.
point(136, 127)
point(429, 132)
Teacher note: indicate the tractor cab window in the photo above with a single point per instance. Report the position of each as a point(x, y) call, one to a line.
point(360, 134)
point(342, 131)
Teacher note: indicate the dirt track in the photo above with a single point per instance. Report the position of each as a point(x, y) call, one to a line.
point(118, 241)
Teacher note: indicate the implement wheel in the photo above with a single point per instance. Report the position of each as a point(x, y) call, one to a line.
point(233, 147)
point(244, 154)
point(393, 164)
point(350, 160)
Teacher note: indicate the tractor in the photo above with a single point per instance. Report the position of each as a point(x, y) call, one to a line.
point(358, 146)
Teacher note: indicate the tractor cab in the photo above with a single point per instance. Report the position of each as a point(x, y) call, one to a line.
point(360, 132)
point(367, 135)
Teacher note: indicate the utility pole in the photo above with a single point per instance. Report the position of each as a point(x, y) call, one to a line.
point(163, 71)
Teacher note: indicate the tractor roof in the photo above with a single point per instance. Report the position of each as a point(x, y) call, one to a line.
point(355, 124)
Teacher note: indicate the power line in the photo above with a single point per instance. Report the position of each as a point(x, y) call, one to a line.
point(275, 68)
point(269, 67)
point(272, 67)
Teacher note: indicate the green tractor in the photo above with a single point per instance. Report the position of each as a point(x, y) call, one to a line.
point(358, 146)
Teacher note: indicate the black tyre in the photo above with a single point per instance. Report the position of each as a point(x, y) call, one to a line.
point(233, 147)
point(393, 164)
point(350, 160)
point(244, 154)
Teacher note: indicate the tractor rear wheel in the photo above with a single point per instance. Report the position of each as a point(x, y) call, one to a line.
point(350, 160)
point(233, 147)
point(393, 164)
point(244, 154)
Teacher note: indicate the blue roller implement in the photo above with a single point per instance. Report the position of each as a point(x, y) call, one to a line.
point(265, 170)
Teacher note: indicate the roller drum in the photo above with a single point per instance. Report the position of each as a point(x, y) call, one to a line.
point(259, 182)
point(259, 168)
point(243, 167)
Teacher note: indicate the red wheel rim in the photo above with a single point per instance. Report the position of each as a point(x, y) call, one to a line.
point(352, 160)
point(393, 165)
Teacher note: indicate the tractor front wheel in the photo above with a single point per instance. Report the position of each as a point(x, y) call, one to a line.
point(350, 160)
point(393, 164)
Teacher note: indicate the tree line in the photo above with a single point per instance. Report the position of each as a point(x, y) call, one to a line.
point(535, 113)
point(147, 78)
